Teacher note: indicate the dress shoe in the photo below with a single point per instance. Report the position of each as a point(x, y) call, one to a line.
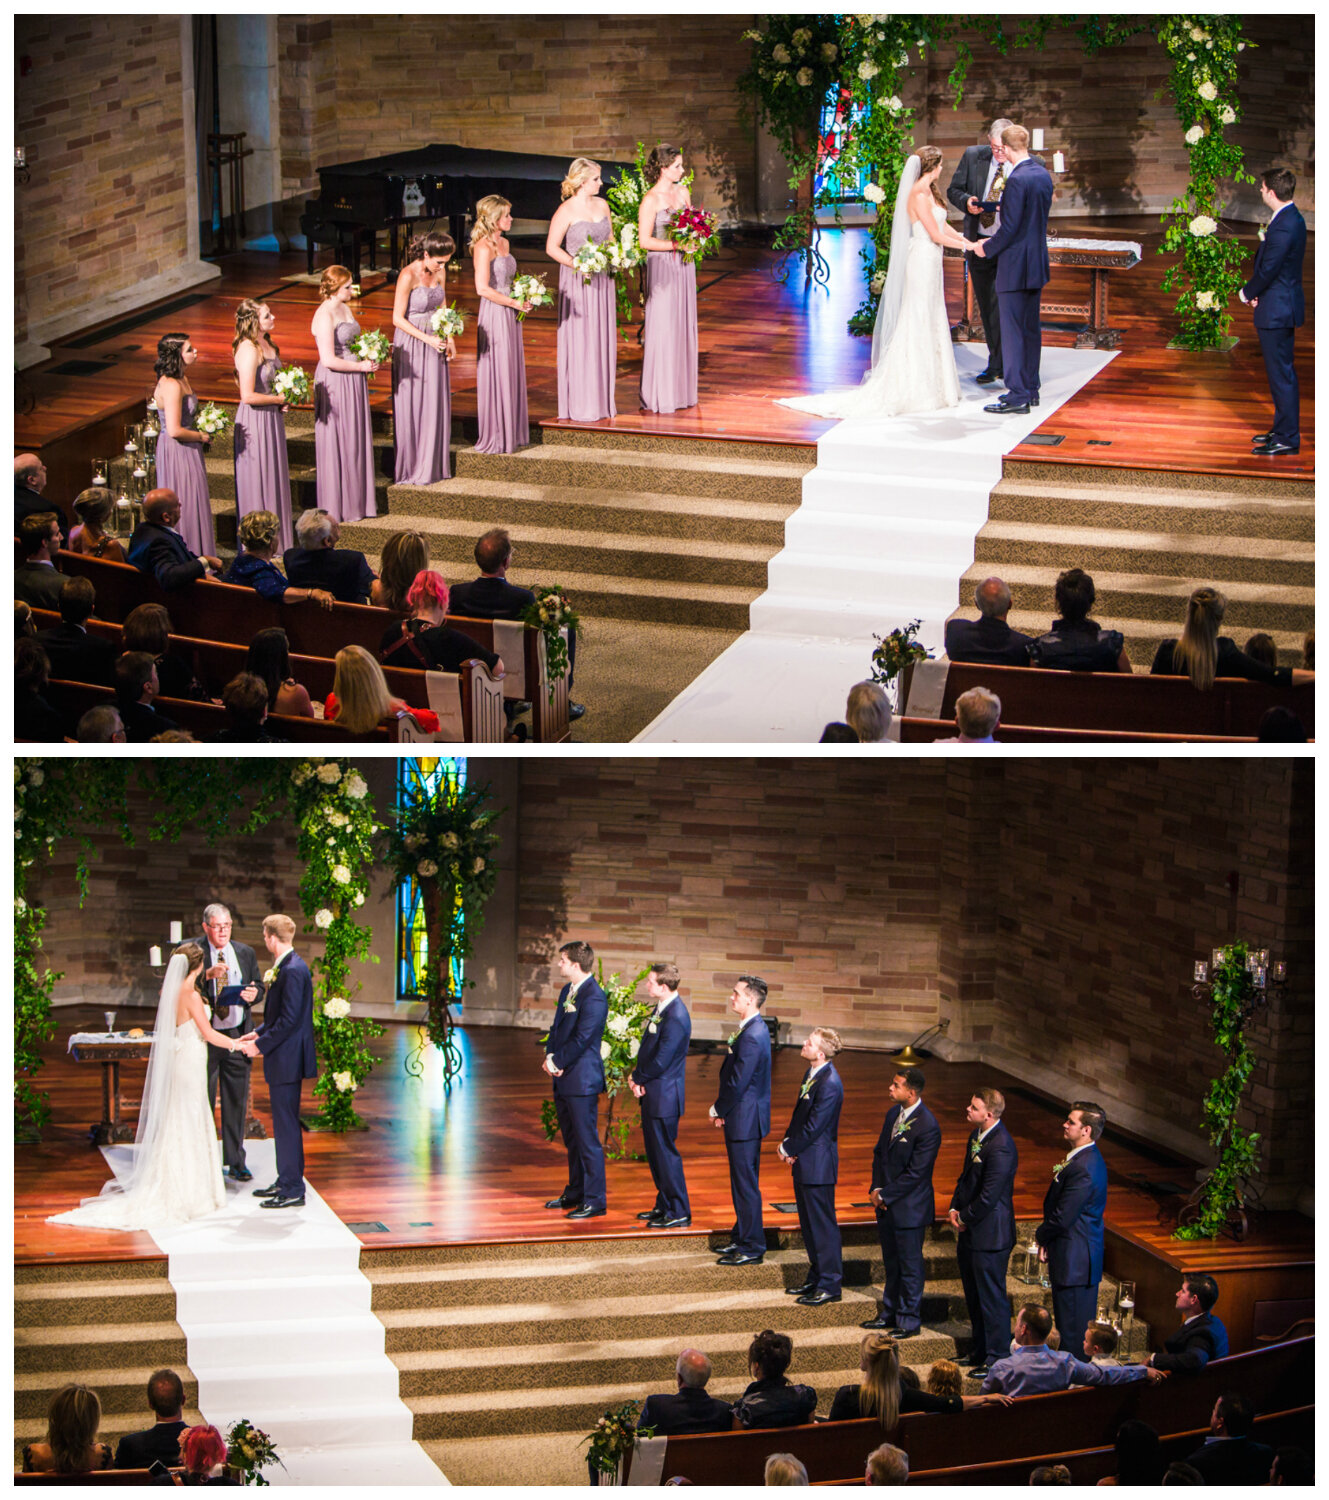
point(979, 1372)
point(267, 1192)
point(818, 1299)
point(651, 1213)
point(1009, 408)
point(987, 377)
point(586, 1212)
point(906, 1333)
point(800, 1291)
point(575, 710)
point(729, 1249)
point(240, 1174)
point(275, 1202)
point(739, 1259)
point(1033, 400)
point(560, 1203)
point(1262, 437)
point(886, 1324)
point(1273, 449)
point(677, 1223)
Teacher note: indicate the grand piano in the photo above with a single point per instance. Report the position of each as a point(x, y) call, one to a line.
point(415, 188)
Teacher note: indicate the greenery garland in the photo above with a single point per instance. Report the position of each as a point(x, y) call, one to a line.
point(1238, 1150)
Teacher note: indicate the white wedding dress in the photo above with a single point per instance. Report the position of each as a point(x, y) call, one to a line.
point(916, 372)
point(176, 1173)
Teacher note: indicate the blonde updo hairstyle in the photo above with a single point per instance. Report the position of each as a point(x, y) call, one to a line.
point(332, 281)
point(258, 531)
point(246, 326)
point(578, 172)
point(929, 158)
point(663, 156)
point(488, 211)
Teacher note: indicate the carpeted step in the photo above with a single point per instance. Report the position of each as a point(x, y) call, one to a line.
point(800, 454)
point(121, 1389)
point(557, 1457)
point(99, 1344)
point(108, 1302)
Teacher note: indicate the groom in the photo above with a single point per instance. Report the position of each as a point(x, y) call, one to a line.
point(285, 1042)
point(1022, 271)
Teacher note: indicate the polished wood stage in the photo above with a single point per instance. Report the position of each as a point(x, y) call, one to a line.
point(1152, 408)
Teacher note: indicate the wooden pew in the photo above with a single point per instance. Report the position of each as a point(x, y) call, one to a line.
point(926, 731)
point(213, 611)
point(97, 1477)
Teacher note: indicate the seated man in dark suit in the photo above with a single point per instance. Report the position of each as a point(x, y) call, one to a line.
point(166, 1397)
point(36, 580)
point(691, 1410)
point(989, 640)
point(29, 482)
point(1229, 1456)
point(157, 548)
point(1202, 1336)
point(316, 562)
point(135, 688)
point(75, 655)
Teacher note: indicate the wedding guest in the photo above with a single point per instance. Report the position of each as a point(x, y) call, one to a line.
point(887, 1465)
point(245, 698)
point(25, 627)
point(1201, 654)
point(1100, 1345)
point(881, 1392)
point(1263, 648)
point(1280, 726)
point(100, 726)
point(343, 435)
point(269, 659)
point(74, 654)
point(317, 562)
point(34, 717)
point(867, 712)
point(136, 687)
point(1139, 1456)
point(404, 557)
point(691, 1410)
point(148, 628)
point(1275, 292)
point(254, 568)
point(784, 1468)
point(29, 482)
point(95, 508)
point(989, 640)
point(156, 547)
point(977, 714)
point(838, 733)
point(71, 1445)
point(37, 581)
point(945, 1379)
point(262, 475)
point(1050, 1474)
point(669, 338)
point(424, 641)
point(500, 359)
point(180, 445)
point(161, 1441)
point(203, 1452)
point(773, 1400)
point(1076, 643)
point(360, 700)
point(421, 400)
point(587, 307)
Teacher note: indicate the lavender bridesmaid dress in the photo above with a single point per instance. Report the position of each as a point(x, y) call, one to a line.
point(669, 359)
point(180, 467)
point(262, 476)
point(421, 400)
point(343, 436)
point(500, 368)
point(587, 333)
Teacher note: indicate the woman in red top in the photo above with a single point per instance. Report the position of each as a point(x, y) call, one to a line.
point(360, 701)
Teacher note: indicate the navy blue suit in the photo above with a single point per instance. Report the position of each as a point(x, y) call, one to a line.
point(1023, 271)
point(1276, 282)
point(344, 572)
point(744, 1105)
point(902, 1169)
point(286, 1041)
point(1072, 1235)
point(661, 1065)
point(574, 1045)
point(162, 552)
point(812, 1140)
point(984, 1199)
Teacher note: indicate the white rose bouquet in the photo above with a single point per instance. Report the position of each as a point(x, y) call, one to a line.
point(624, 250)
point(292, 385)
point(532, 289)
point(447, 322)
point(590, 260)
point(374, 346)
point(212, 419)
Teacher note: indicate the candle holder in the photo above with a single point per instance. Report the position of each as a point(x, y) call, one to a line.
point(1126, 1303)
point(1032, 1274)
point(123, 517)
point(21, 172)
point(101, 471)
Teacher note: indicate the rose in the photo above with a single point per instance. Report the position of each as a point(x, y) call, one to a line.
point(337, 819)
point(634, 1046)
point(1204, 301)
point(618, 1025)
point(804, 77)
point(1190, 57)
point(1207, 91)
point(781, 54)
point(477, 866)
point(605, 1050)
point(337, 1009)
point(341, 874)
point(427, 868)
point(412, 841)
point(449, 841)
point(329, 773)
point(868, 69)
point(801, 38)
point(1202, 225)
point(345, 1083)
point(323, 918)
point(355, 786)
point(874, 194)
point(1194, 135)
point(895, 104)
point(20, 906)
point(829, 52)
point(35, 778)
point(359, 898)
point(1197, 35)
point(1229, 115)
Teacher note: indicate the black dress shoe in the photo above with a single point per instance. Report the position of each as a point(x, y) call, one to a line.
point(879, 1322)
point(275, 1202)
point(818, 1299)
point(979, 1372)
point(1009, 408)
point(987, 377)
point(729, 1249)
point(1262, 437)
point(240, 1174)
point(1033, 400)
point(576, 710)
point(800, 1291)
point(651, 1213)
point(267, 1192)
point(586, 1212)
point(1271, 449)
point(671, 1223)
point(739, 1259)
point(560, 1203)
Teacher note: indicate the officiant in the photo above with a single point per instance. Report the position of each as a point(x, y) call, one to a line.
point(232, 985)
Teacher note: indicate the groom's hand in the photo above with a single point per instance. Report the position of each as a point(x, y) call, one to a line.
point(249, 1049)
point(250, 1036)
point(978, 249)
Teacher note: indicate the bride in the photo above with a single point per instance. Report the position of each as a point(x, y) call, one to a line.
point(913, 363)
point(176, 1172)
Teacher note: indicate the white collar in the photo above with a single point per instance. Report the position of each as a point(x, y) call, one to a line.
point(1193, 1317)
point(574, 986)
point(1279, 210)
point(818, 1069)
point(667, 1001)
point(1078, 1149)
point(756, 1015)
point(905, 1113)
point(988, 1131)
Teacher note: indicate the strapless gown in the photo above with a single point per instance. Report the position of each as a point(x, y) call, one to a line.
point(180, 467)
point(421, 396)
point(343, 435)
point(500, 368)
point(587, 333)
point(262, 474)
point(669, 356)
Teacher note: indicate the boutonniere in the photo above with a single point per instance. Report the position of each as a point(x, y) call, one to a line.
point(1263, 227)
point(1057, 1170)
point(901, 1126)
point(271, 974)
point(652, 1028)
point(731, 1039)
point(975, 1146)
point(806, 1089)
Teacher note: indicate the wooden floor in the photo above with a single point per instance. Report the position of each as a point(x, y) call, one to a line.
point(474, 1167)
point(1151, 409)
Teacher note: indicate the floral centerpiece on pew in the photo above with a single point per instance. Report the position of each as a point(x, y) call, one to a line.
point(249, 1451)
point(614, 1437)
point(551, 614)
point(893, 653)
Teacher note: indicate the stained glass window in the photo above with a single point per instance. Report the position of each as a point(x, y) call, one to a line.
point(424, 776)
point(838, 114)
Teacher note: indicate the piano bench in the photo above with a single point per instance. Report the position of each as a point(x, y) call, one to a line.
point(347, 237)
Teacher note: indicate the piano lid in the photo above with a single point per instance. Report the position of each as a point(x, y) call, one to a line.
point(467, 161)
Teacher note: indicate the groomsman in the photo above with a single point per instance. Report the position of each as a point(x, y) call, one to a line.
point(1276, 294)
point(573, 1061)
point(658, 1081)
point(1070, 1238)
point(743, 1111)
point(902, 1195)
point(811, 1147)
point(983, 1216)
point(229, 966)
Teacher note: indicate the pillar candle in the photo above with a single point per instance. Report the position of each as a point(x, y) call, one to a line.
point(155, 957)
point(177, 932)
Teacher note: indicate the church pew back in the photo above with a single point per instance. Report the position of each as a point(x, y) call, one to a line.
point(926, 731)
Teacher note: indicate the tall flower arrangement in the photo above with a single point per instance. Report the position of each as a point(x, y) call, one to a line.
point(1203, 84)
point(336, 832)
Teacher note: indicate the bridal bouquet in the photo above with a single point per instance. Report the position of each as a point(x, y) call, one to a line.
point(692, 229)
point(212, 419)
point(373, 345)
point(292, 385)
point(624, 250)
point(590, 260)
point(447, 322)
point(530, 289)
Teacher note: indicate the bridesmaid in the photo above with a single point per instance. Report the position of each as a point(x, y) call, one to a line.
point(343, 437)
point(587, 310)
point(421, 400)
point(669, 359)
point(262, 477)
point(500, 366)
point(180, 445)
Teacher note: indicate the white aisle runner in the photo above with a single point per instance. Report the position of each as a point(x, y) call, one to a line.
point(277, 1317)
point(884, 532)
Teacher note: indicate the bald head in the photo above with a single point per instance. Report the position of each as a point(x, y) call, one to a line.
point(694, 1369)
point(993, 599)
point(31, 471)
point(158, 504)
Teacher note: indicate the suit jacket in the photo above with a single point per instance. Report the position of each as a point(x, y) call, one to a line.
point(1276, 274)
point(162, 552)
point(987, 641)
point(1233, 1461)
point(345, 573)
point(245, 960)
point(1021, 239)
point(489, 599)
point(286, 1038)
point(27, 502)
point(1072, 1227)
point(744, 1102)
point(688, 1411)
point(1193, 1345)
point(662, 1063)
point(77, 656)
point(970, 180)
point(902, 1168)
point(985, 1193)
point(813, 1134)
point(574, 1040)
point(38, 584)
point(138, 1450)
point(142, 722)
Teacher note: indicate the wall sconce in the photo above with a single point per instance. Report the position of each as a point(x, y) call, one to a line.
point(21, 173)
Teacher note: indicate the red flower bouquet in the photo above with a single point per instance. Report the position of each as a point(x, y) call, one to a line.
point(693, 231)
